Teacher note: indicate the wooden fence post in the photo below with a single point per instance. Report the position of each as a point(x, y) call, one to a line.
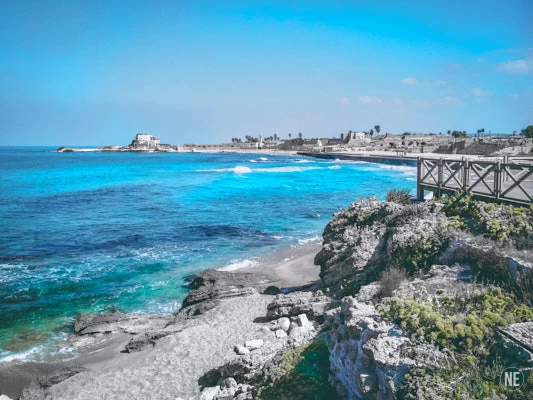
point(497, 180)
point(440, 177)
point(466, 174)
point(419, 188)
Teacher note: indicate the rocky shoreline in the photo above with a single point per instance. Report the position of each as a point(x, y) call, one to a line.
point(397, 305)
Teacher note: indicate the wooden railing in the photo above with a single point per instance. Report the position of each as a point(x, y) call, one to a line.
point(501, 181)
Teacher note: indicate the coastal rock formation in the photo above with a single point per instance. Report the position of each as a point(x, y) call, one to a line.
point(117, 322)
point(371, 236)
point(368, 356)
point(37, 389)
point(288, 305)
point(211, 285)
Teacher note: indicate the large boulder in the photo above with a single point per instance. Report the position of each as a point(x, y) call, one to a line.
point(211, 285)
point(371, 235)
point(296, 303)
point(117, 322)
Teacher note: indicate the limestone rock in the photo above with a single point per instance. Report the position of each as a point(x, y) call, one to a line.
point(117, 322)
point(241, 350)
point(295, 303)
point(368, 292)
point(37, 389)
point(213, 284)
point(254, 344)
point(141, 342)
point(280, 334)
point(282, 323)
point(302, 320)
point(371, 234)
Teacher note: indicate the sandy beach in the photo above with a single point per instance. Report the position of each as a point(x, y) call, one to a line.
point(171, 369)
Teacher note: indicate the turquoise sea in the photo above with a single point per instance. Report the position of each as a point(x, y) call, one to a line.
point(91, 232)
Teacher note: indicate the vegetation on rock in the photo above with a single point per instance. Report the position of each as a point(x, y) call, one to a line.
point(395, 239)
point(299, 373)
point(511, 224)
point(400, 196)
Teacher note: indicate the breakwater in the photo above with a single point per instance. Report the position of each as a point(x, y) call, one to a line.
point(412, 162)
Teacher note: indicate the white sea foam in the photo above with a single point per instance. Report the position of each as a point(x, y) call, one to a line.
point(338, 160)
point(305, 241)
point(403, 168)
point(41, 351)
point(260, 159)
point(286, 169)
point(304, 161)
point(246, 170)
point(238, 264)
point(239, 169)
point(334, 167)
point(155, 307)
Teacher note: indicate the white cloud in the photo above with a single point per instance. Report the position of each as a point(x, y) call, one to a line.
point(516, 66)
point(410, 81)
point(480, 93)
point(370, 100)
point(451, 100)
point(344, 100)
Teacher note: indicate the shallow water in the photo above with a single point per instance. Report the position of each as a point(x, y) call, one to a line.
point(90, 232)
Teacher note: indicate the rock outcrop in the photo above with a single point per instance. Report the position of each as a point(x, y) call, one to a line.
point(37, 389)
point(371, 236)
point(211, 285)
point(117, 322)
point(295, 303)
point(368, 356)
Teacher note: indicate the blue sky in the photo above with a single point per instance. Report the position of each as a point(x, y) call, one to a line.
point(97, 72)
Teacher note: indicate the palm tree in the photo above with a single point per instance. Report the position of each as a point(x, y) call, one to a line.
point(290, 134)
point(449, 132)
point(300, 135)
point(377, 128)
point(371, 133)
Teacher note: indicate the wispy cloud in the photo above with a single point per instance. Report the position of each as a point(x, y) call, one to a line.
point(413, 81)
point(522, 66)
point(435, 83)
point(481, 93)
point(370, 100)
point(450, 100)
point(344, 100)
point(410, 81)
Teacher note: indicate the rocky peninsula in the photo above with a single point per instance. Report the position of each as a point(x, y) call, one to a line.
point(427, 300)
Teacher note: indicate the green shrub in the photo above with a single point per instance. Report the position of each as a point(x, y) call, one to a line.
point(438, 323)
point(391, 280)
point(464, 330)
point(400, 196)
point(511, 224)
point(491, 267)
point(301, 373)
point(415, 250)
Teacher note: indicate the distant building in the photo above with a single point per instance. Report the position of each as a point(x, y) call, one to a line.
point(145, 141)
point(353, 136)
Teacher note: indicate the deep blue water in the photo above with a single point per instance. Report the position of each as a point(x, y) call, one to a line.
point(90, 232)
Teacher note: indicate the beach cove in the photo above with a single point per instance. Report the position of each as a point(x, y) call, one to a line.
point(123, 232)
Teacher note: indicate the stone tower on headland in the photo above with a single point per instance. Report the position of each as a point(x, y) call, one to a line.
point(145, 141)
